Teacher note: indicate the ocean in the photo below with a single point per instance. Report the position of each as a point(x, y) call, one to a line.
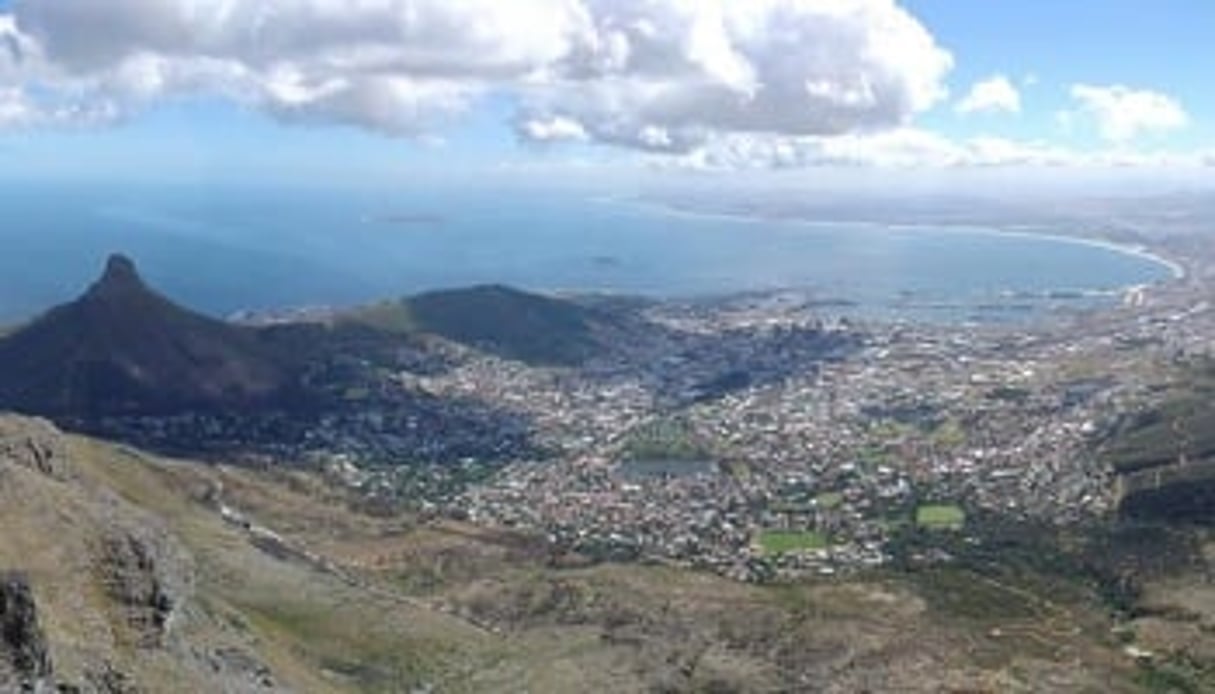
point(223, 250)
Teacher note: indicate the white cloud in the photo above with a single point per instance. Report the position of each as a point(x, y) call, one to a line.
point(994, 94)
point(14, 108)
point(553, 129)
point(913, 148)
point(668, 75)
point(651, 74)
point(433, 38)
point(395, 66)
point(1122, 113)
point(719, 83)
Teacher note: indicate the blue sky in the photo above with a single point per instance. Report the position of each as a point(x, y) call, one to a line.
point(216, 110)
point(1164, 45)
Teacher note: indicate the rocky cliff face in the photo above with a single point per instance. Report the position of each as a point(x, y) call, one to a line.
point(135, 577)
point(95, 585)
point(25, 661)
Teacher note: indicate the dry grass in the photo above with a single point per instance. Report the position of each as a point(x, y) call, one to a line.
point(386, 604)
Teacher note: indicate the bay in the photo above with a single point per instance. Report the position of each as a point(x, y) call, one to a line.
point(223, 250)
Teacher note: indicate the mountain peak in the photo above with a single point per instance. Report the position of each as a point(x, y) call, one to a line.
point(120, 268)
point(120, 274)
point(124, 348)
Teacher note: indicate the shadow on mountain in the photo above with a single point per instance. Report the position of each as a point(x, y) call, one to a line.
point(508, 323)
point(122, 348)
point(124, 362)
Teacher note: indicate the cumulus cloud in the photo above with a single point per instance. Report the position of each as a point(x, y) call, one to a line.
point(717, 83)
point(1122, 113)
point(652, 74)
point(668, 75)
point(994, 94)
point(432, 38)
point(395, 66)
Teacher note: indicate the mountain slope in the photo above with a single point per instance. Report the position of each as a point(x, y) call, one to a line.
point(131, 573)
point(122, 348)
point(124, 572)
point(510, 323)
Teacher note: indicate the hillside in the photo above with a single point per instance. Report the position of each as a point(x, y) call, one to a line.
point(123, 348)
point(123, 572)
point(134, 574)
point(513, 324)
point(1165, 455)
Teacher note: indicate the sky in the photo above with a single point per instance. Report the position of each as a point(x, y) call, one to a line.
point(320, 91)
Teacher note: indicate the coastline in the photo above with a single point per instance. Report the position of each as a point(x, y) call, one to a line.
point(1178, 270)
point(1175, 268)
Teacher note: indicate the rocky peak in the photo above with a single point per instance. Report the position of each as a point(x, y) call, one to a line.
point(120, 277)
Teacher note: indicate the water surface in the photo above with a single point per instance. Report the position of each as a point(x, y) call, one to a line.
point(224, 250)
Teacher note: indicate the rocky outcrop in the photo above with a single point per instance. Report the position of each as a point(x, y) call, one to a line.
point(108, 582)
point(34, 444)
point(25, 661)
point(135, 572)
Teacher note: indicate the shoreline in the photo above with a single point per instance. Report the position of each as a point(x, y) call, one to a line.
point(1175, 268)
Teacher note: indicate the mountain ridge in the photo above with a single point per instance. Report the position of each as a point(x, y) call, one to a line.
point(123, 348)
point(498, 319)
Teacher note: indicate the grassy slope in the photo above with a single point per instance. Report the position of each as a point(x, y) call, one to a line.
point(306, 621)
point(513, 324)
point(300, 620)
point(1182, 426)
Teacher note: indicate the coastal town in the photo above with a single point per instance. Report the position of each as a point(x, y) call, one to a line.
point(760, 435)
point(841, 434)
point(813, 473)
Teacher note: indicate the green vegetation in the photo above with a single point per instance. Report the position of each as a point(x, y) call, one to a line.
point(829, 500)
point(1176, 675)
point(389, 316)
point(506, 322)
point(957, 593)
point(871, 456)
point(666, 440)
point(1146, 450)
point(1182, 426)
point(1009, 394)
point(776, 542)
point(949, 434)
point(940, 517)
